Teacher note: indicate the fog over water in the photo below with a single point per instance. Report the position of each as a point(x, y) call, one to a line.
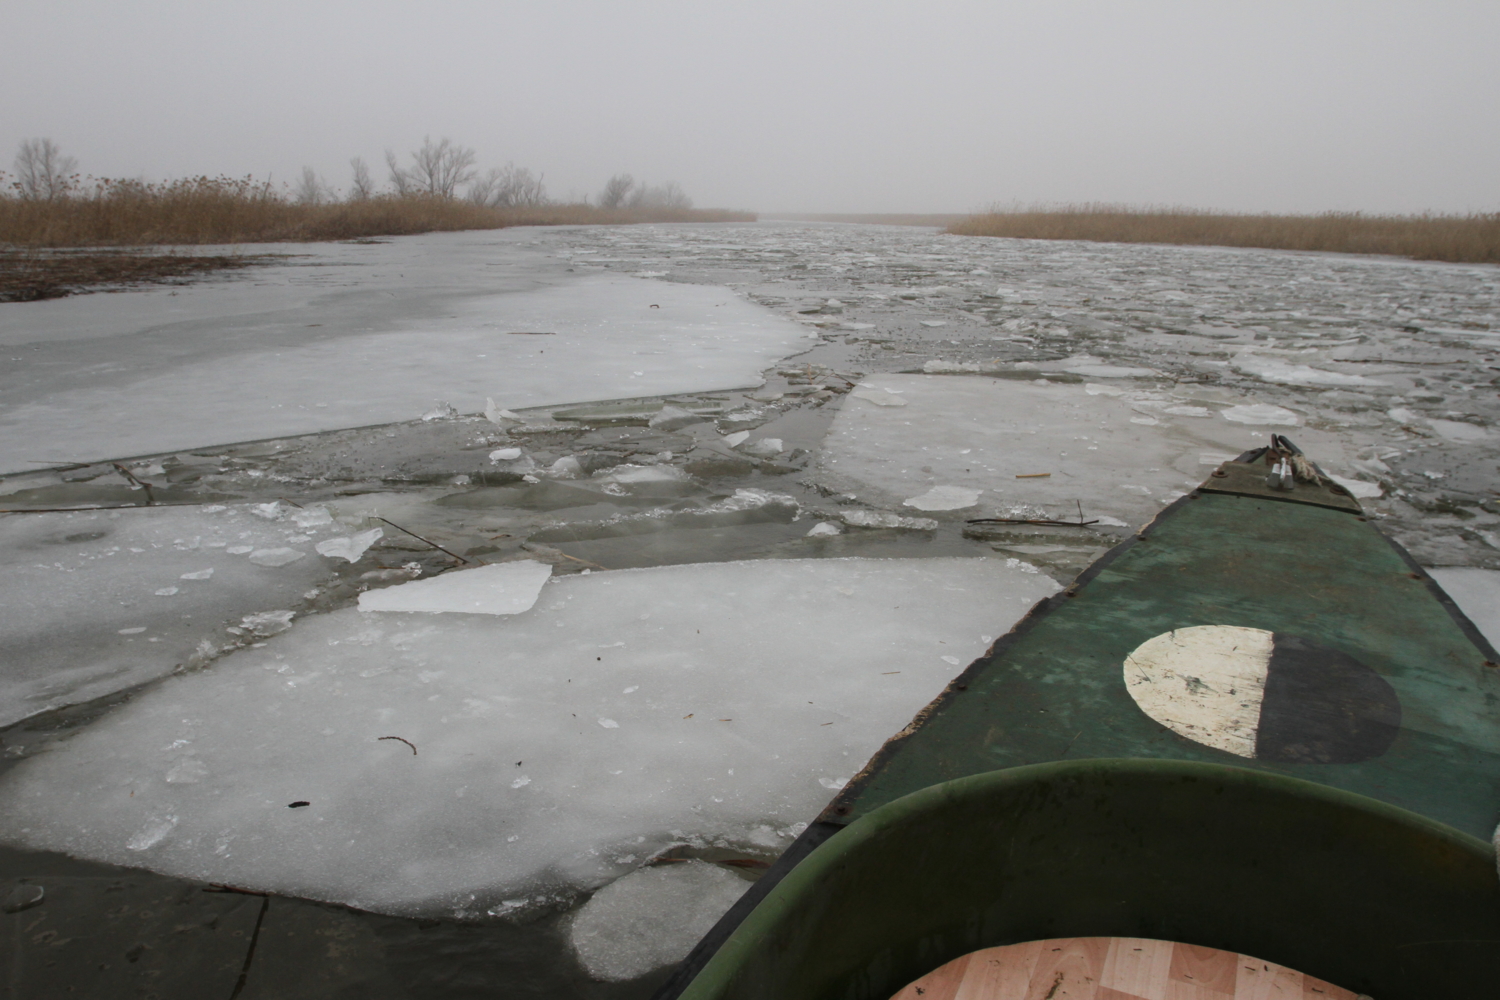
point(774, 106)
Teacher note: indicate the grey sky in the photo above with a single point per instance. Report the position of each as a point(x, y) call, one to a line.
point(794, 106)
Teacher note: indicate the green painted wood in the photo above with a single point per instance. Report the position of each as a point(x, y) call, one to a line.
point(1056, 690)
point(1373, 898)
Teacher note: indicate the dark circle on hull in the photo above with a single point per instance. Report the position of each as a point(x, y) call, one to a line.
point(1322, 706)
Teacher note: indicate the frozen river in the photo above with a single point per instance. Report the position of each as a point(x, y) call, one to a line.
point(711, 483)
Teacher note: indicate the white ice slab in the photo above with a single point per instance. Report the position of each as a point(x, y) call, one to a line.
point(651, 918)
point(740, 693)
point(611, 337)
point(1477, 594)
point(502, 589)
point(1122, 455)
point(97, 602)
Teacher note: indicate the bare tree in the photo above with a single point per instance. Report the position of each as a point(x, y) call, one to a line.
point(43, 172)
point(509, 186)
point(312, 189)
point(616, 191)
point(668, 195)
point(361, 188)
point(437, 169)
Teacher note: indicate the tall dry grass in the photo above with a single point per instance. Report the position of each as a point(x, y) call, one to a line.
point(1459, 238)
point(228, 210)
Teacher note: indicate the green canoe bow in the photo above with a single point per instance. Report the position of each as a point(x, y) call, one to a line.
point(1346, 837)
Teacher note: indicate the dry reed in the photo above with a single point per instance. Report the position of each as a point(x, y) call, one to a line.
point(226, 210)
point(1471, 238)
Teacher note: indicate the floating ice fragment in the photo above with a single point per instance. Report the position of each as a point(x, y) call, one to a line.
point(651, 918)
point(442, 411)
point(275, 557)
point(1145, 421)
point(833, 783)
point(239, 550)
point(608, 724)
point(498, 589)
point(736, 439)
point(505, 454)
point(165, 591)
point(496, 415)
point(202, 574)
point(1261, 414)
point(1094, 389)
point(1458, 430)
point(644, 474)
point(671, 418)
point(1279, 371)
point(953, 660)
point(858, 517)
point(823, 529)
point(1100, 370)
point(131, 631)
point(269, 511)
point(265, 624)
point(764, 448)
point(944, 498)
point(349, 548)
point(567, 467)
point(1358, 488)
point(312, 517)
point(934, 322)
point(520, 782)
point(938, 367)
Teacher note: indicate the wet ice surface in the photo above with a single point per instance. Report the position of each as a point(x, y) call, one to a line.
point(927, 373)
point(540, 754)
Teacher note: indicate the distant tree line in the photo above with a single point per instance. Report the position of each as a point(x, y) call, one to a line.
point(439, 170)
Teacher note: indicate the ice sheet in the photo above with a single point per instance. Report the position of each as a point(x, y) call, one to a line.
point(1477, 594)
point(96, 602)
point(1027, 445)
point(502, 589)
point(608, 337)
point(548, 751)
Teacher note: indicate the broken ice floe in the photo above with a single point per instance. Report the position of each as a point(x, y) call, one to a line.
point(1050, 447)
point(651, 918)
point(80, 587)
point(1261, 415)
point(754, 681)
point(500, 589)
point(349, 547)
point(944, 498)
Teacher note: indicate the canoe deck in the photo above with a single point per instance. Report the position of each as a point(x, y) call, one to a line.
point(1115, 969)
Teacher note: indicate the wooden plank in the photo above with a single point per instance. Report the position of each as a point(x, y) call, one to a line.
point(1115, 969)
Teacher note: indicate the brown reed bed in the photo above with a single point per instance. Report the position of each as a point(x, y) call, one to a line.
point(33, 274)
point(227, 210)
point(1473, 238)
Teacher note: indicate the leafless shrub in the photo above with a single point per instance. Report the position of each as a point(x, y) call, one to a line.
point(668, 195)
point(1473, 238)
point(437, 169)
point(616, 191)
point(509, 186)
point(361, 188)
point(312, 189)
point(43, 172)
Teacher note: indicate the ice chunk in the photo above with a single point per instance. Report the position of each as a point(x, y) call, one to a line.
point(823, 529)
point(505, 454)
point(1477, 594)
point(279, 556)
point(1261, 415)
point(736, 439)
point(651, 918)
point(499, 589)
point(496, 415)
point(166, 591)
point(944, 498)
point(671, 418)
point(934, 322)
point(764, 448)
point(1285, 373)
point(644, 474)
point(1096, 369)
point(1458, 430)
point(1358, 488)
point(264, 624)
point(859, 517)
point(311, 517)
point(349, 547)
point(442, 411)
point(477, 693)
point(567, 467)
point(202, 574)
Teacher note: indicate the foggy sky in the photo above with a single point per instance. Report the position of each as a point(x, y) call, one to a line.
point(792, 106)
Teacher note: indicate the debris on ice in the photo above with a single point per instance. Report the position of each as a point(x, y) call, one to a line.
point(507, 588)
